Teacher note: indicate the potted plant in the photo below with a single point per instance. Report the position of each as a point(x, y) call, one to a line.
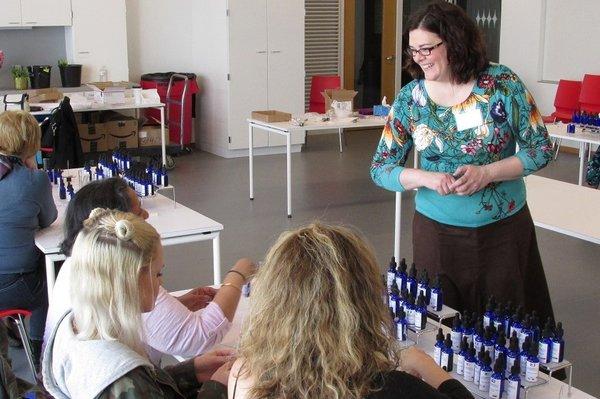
point(70, 74)
point(21, 76)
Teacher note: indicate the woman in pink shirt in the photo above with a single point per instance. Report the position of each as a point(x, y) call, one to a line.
point(186, 326)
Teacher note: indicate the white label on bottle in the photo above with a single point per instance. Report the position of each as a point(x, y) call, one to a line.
point(409, 285)
point(523, 361)
point(401, 332)
point(411, 317)
point(399, 282)
point(456, 337)
point(484, 380)
point(477, 374)
point(512, 389)
point(533, 369)
point(444, 361)
point(460, 364)
point(469, 371)
point(522, 335)
point(556, 347)
point(433, 301)
point(495, 388)
point(392, 304)
point(437, 355)
point(420, 321)
point(543, 352)
point(390, 278)
point(486, 321)
point(510, 361)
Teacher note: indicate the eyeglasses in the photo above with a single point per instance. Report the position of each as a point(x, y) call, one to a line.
point(424, 51)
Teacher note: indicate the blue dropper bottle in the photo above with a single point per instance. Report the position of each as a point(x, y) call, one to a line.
point(391, 273)
point(524, 354)
point(447, 360)
point(558, 344)
point(411, 282)
point(513, 384)
point(497, 379)
point(469, 369)
point(485, 373)
point(461, 356)
point(456, 333)
point(545, 346)
point(423, 286)
point(421, 313)
point(401, 274)
point(401, 325)
point(437, 348)
point(533, 363)
point(488, 316)
point(436, 301)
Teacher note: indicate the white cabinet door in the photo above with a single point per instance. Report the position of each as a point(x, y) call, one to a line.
point(10, 13)
point(248, 69)
point(46, 12)
point(285, 23)
point(98, 38)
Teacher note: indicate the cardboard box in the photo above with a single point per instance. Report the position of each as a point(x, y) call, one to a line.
point(92, 140)
point(271, 116)
point(338, 94)
point(50, 95)
point(149, 136)
point(119, 134)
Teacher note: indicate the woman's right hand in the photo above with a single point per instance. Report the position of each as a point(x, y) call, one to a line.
point(246, 267)
point(439, 182)
point(416, 362)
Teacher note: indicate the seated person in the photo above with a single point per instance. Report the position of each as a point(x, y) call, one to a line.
point(170, 327)
point(26, 206)
point(319, 329)
point(96, 349)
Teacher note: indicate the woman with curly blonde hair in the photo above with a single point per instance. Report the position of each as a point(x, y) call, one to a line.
point(318, 327)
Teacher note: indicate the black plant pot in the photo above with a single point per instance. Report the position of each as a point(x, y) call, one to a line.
point(70, 75)
point(39, 76)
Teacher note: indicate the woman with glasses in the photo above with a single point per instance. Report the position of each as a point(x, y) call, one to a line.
point(466, 117)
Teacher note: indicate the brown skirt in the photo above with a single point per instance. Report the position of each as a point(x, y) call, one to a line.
point(500, 259)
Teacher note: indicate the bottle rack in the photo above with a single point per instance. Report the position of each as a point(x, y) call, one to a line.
point(446, 313)
point(429, 328)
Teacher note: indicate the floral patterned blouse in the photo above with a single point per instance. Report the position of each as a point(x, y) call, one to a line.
point(509, 117)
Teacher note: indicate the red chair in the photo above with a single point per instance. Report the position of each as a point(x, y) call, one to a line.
point(566, 101)
point(589, 98)
point(319, 84)
point(18, 315)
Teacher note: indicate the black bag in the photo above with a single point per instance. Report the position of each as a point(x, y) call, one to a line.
point(59, 132)
point(592, 176)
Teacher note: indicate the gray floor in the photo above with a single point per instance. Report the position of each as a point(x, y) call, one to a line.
point(336, 187)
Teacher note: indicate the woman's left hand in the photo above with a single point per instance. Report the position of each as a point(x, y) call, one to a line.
point(206, 365)
point(470, 179)
point(198, 298)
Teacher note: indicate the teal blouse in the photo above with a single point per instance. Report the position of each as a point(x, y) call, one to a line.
point(509, 116)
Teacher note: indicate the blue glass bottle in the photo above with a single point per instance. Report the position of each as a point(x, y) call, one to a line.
point(401, 274)
point(62, 191)
point(512, 355)
point(411, 282)
point(423, 286)
point(489, 342)
point(470, 360)
point(535, 326)
point(488, 316)
point(513, 383)
point(525, 330)
point(164, 177)
point(456, 333)
point(436, 301)
point(558, 344)
point(461, 356)
point(524, 354)
point(533, 363)
point(393, 297)
point(508, 312)
point(545, 346)
point(498, 322)
point(421, 313)
point(401, 325)
point(409, 308)
point(478, 366)
point(479, 336)
point(468, 330)
point(485, 373)
point(391, 273)
point(447, 359)
point(515, 325)
point(437, 348)
point(497, 380)
point(500, 347)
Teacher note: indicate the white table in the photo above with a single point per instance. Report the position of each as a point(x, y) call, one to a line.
point(287, 129)
point(78, 107)
point(584, 137)
point(564, 207)
point(176, 224)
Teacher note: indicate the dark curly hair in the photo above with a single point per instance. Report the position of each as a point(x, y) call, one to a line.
point(464, 42)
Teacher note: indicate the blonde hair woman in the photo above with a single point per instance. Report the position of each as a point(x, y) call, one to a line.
point(26, 206)
point(96, 351)
point(319, 329)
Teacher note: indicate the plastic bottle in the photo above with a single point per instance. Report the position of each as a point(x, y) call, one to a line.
point(436, 300)
point(103, 74)
point(558, 344)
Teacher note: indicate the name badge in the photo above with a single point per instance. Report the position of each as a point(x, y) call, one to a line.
point(468, 119)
